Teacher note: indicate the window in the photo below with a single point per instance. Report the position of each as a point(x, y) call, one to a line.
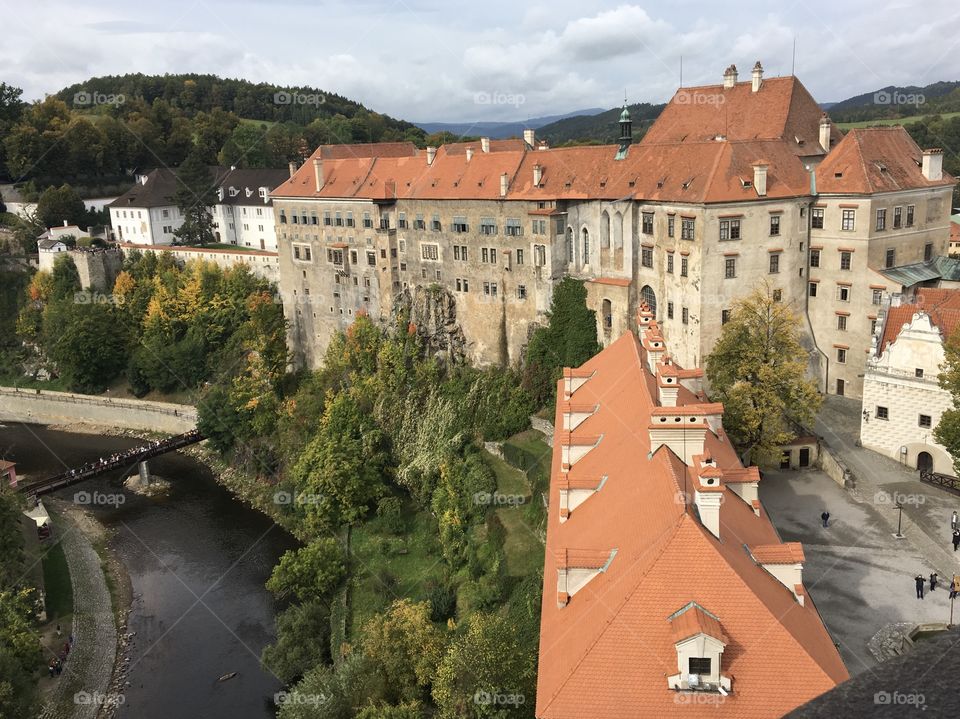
point(918, 373)
point(335, 256)
point(646, 225)
point(486, 288)
point(774, 225)
point(353, 257)
point(881, 220)
point(882, 413)
point(484, 254)
point(338, 219)
point(724, 316)
point(891, 258)
point(460, 252)
point(845, 260)
point(813, 289)
point(841, 355)
point(730, 268)
point(670, 262)
point(493, 289)
point(466, 285)
point(843, 293)
point(814, 258)
point(816, 218)
point(699, 665)
point(419, 224)
point(367, 222)
point(910, 213)
point(842, 323)
point(402, 220)
point(512, 227)
point(435, 223)
point(539, 255)
point(671, 223)
point(646, 256)
point(873, 326)
point(488, 226)
point(877, 297)
point(729, 229)
point(687, 227)
point(521, 292)
point(848, 221)
point(586, 247)
point(403, 267)
point(569, 244)
point(519, 256)
point(684, 264)
point(493, 256)
point(283, 217)
point(841, 385)
point(459, 285)
point(777, 295)
point(669, 310)
point(326, 218)
point(296, 252)
point(928, 252)
point(774, 263)
point(372, 258)
point(460, 224)
point(403, 246)
point(430, 252)
point(685, 315)
point(925, 421)
point(897, 217)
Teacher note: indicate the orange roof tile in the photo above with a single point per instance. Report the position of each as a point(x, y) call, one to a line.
point(607, 649)
point(786, 553)
point(942, 306)
point(874, 159)
point(692, 620)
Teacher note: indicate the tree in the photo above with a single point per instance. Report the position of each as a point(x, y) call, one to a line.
point(246, 147)
point(758, 370)
point(194, 196)
point(569, 340)
point(84, 341)
point(947, 431)
point(59, 204)
point(303, 641)
point(310, 573)
point(486, 672)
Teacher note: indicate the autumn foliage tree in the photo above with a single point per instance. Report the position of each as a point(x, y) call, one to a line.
point(947, 431)
point(758, 370)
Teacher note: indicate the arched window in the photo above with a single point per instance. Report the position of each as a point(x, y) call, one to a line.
point(586, 246)
point(604, 230)
point(569, 244)
point(607, 313)
point(649, 296)
point(618, 241)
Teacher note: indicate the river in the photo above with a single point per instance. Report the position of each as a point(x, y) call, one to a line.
point(197, 560)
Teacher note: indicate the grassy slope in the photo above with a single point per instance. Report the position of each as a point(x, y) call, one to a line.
point(895, 121)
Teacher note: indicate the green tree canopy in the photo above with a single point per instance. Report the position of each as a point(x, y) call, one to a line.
point(311, 573)
point(758, 370)
point(195, 193)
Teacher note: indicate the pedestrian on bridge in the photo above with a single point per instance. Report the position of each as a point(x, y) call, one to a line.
point(918, 580)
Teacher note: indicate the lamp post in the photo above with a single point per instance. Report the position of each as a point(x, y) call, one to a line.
point(899, 508)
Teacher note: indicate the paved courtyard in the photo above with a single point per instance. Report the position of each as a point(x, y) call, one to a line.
point(859, 575)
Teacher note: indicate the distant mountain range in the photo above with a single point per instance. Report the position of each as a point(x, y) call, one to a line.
point(499, 130)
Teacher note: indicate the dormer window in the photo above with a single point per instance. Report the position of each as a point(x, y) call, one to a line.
point(700, 641)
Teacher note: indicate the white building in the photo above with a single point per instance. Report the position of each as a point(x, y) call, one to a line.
point(146, 214)
point(902, 399)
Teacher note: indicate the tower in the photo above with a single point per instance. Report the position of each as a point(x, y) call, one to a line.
point(626, 131)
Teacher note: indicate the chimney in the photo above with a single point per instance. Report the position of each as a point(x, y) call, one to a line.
point(293, 168)
point(318, 172)
point(537, 175)
point(469, 154)
point(760, 178)
point(709, 494)
point(681, 429)
point(485, 144)
point(529, 137)
point(65, 224)
point(757, 77)
point(504, 184)
point(932, 167)
point(825, 132)
point(668, 383)
point(431, 154)
point(730, 76)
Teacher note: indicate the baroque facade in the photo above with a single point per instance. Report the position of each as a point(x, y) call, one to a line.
point(734, 185)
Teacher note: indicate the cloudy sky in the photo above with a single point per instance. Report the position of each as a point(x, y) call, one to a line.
point(427, 60)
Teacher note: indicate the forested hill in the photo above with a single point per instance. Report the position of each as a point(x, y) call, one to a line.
point(191, 93)
point(602, 128)
point(894, 102)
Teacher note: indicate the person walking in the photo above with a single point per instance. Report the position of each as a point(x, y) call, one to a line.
point(52, 668)
point(918, 580)
point(58, 631)
point(825, 517)
point(956, 539)
point(934, 579)
point(954, 521)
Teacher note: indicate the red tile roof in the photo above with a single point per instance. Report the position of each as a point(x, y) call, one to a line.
point(693, 620)
point(609, 649)
point(943, 307)
point(786, 553)
point(875, 159)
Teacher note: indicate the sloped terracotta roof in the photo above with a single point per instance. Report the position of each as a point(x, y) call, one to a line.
point(875, 159)
point(609, 650)
point(693, 620)
point(786, 553)
point(942, 306)
point(781, 110)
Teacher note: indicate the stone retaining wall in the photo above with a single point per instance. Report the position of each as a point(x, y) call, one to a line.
point(43, 407)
